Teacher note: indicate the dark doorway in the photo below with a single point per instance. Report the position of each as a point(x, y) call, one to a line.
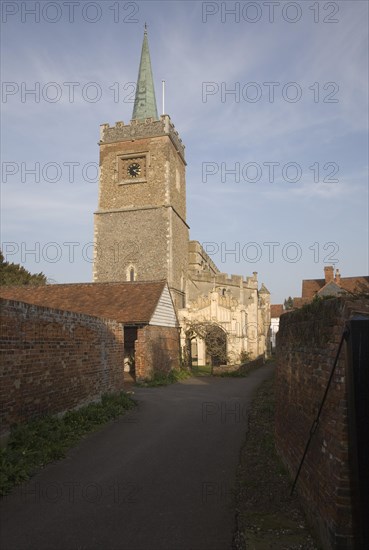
point(130, 337)
point(216, 346)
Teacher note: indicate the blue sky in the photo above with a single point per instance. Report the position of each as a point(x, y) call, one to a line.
point(313, 55)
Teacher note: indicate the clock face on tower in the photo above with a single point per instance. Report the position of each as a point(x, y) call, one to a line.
point(134, 170)
point(131, 168)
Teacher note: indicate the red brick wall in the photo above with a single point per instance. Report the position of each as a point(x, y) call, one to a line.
point(156, 350)
point(52, 360)
point(307, 343)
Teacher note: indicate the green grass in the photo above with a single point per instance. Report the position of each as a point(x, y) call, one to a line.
point(234, 374)
point(34, 444)
point(201, 370)
point(242, 372)
point(164, 379)
point(267, 515)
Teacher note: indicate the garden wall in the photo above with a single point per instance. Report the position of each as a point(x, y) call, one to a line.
point(307, 343)
point(156, 351)
point(53, 361)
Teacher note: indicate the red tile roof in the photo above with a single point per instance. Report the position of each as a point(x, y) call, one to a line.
point(310, 287)
point(128, 303)
point(355, 284)
point(276, 310)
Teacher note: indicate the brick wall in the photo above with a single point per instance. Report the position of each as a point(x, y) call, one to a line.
point(52, 360)
point(307, 343)
point(156, 350)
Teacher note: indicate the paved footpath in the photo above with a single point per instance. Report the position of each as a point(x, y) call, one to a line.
point(158, 478)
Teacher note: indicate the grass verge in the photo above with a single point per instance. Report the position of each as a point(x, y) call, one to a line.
point(266, 515)
point(247, 368)
point(34, 444)
point(164, 379)
point(201, 370)
point(237, 373)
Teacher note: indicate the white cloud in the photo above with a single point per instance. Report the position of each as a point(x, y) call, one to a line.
point(186, 53)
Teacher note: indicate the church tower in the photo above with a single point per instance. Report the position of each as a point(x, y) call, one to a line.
point(140, 227)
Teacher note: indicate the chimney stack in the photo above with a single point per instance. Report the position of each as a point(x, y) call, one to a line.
point(337, 278)
point(329, 273)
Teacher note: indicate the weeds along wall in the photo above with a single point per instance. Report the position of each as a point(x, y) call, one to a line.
point(307, 344)
point(53, 361)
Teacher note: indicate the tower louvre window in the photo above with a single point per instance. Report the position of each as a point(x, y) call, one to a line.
point(131, 274)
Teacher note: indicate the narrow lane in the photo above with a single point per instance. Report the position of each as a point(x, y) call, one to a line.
point(159, 478)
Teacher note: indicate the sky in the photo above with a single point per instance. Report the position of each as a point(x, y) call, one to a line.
point(269, 98)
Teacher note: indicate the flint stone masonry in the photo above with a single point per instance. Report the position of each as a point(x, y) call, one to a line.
point(145, 247)
point(54, 361)
point(137, 130)
point(307, 344)
point(159, 186)
point(141, 222)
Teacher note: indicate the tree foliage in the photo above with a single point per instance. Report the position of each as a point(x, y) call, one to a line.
point(215, 340)
point(15, 274)
point(288, 303)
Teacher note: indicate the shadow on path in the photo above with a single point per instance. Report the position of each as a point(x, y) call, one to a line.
point(158, 478)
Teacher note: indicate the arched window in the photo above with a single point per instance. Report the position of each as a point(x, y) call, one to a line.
point(131, 274)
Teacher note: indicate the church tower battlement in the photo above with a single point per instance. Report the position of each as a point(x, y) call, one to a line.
point(142, 128)
point(140, 227)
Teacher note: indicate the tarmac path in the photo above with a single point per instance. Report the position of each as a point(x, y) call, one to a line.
point(158, 478)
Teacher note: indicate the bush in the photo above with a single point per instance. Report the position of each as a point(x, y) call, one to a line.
point(244, 357)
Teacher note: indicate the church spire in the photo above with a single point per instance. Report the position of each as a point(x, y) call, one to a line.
point(145, 101)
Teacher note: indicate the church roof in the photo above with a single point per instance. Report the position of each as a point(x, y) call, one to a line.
point(145, 101)
point(127, 302)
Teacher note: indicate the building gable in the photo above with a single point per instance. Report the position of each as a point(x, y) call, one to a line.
point(331, 289)
point(164, 314)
